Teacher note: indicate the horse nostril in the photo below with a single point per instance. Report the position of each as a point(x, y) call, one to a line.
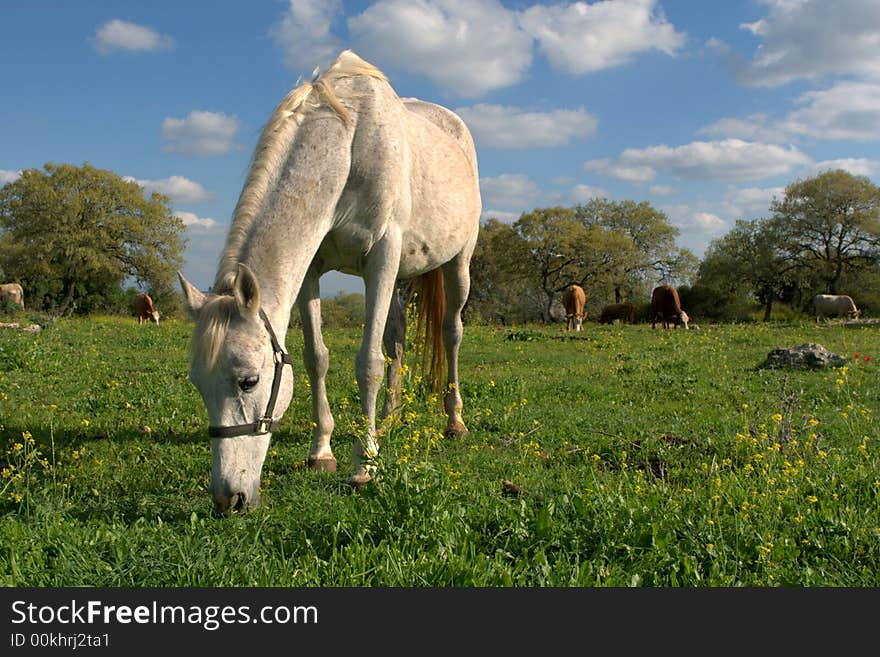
point(238, 502)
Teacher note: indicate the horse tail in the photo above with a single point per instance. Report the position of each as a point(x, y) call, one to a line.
point(431, 303)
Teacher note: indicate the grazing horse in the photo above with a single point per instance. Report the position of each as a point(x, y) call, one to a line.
point(573, 300)
point(666, 308)
point(144, 310)
point(12, 292)
point(346, 176)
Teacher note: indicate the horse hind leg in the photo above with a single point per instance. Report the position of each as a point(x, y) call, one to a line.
point(316, 359)
point(456, 279)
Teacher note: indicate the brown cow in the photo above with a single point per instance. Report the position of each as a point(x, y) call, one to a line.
point(144, 310)
point(666, 308)
point(625, 312)
point(573, 300)
point(12, 292)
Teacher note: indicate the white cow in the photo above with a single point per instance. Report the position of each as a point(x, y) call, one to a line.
point(833, 305)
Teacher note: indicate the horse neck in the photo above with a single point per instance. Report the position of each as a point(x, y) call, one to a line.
point(280, 241)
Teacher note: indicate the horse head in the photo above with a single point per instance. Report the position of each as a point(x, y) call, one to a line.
point(237, 365)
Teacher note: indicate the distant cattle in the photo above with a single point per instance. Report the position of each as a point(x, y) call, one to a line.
point(625, 312)
point(666, 308)
point(835, 305)
point(12, 292)
point(573, 300)
point(144, 310)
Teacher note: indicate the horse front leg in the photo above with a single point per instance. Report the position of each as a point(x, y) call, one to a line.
point(457, 281)
point(316, 359)
point(380, 276)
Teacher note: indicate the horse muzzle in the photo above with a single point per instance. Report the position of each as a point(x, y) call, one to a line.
point(236, 472)
point(229, 503)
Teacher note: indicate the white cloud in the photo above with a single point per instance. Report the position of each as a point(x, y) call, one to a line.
point(468, 47)
point(581, 37)
point(848, 110)
point(698, 226)
point(499, 126)
point(471, 47)
point(708, 222)
point(754, 127)
point(121, 35)
point(810, 38)
point(8, 176)
point(193, 221)
point(858, 166)
point(749, 202)
point(200, 133)
point(177, 188)
point(304, 34)
point(621, 171)
point(729, 159)
point(662, 190)
point(509, 190)
point(583, 193)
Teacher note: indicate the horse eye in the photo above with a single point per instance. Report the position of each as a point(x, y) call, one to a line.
point(248, 383)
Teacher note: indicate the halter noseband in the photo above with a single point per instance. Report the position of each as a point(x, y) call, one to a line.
point(267, 423)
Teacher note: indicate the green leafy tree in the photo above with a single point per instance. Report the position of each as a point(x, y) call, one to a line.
point(69, 233)
point(501, 283)
point(646, 249)
point(554, 241)
point(830, 226)
point(749, 259)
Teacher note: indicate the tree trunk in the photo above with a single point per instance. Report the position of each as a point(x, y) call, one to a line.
point(618, 297)
point(767, 308)
point(549, 315)
point(70, 286)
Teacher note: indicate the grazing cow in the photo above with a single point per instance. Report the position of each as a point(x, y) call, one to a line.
point(625, 312)
point(666, 308)
point(144, 310)
point(573, 300)
point(12, 292)
point(834, 305)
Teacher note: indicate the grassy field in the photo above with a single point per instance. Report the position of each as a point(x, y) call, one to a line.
point(614, 457)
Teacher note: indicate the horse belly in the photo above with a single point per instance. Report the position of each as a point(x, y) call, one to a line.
point(445, 214)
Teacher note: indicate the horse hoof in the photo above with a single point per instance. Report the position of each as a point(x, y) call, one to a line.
point(322, 464)
point(359, 480)
point(456, 432)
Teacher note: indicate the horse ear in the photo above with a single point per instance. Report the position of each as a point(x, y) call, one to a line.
point(194, 297)
point(246, 290)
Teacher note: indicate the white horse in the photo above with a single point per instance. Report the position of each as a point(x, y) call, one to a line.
point(346, 176)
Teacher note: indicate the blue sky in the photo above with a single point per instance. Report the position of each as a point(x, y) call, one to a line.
point(705, 109)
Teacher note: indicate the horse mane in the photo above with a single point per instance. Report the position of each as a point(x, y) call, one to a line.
point(273, 145)
point(213, 323)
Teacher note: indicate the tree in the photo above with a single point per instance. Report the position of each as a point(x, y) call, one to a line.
point(750, 258)
point(555, 239)
point(651, 253)
point(830, 225)
point(501, 288)
point(70, 232)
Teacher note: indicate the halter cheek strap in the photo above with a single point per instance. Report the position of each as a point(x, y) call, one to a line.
point(267, 423)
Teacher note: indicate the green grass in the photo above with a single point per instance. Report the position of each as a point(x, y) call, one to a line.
point(630, 456)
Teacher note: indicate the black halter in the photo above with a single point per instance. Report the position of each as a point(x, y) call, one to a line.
point(267, 423)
